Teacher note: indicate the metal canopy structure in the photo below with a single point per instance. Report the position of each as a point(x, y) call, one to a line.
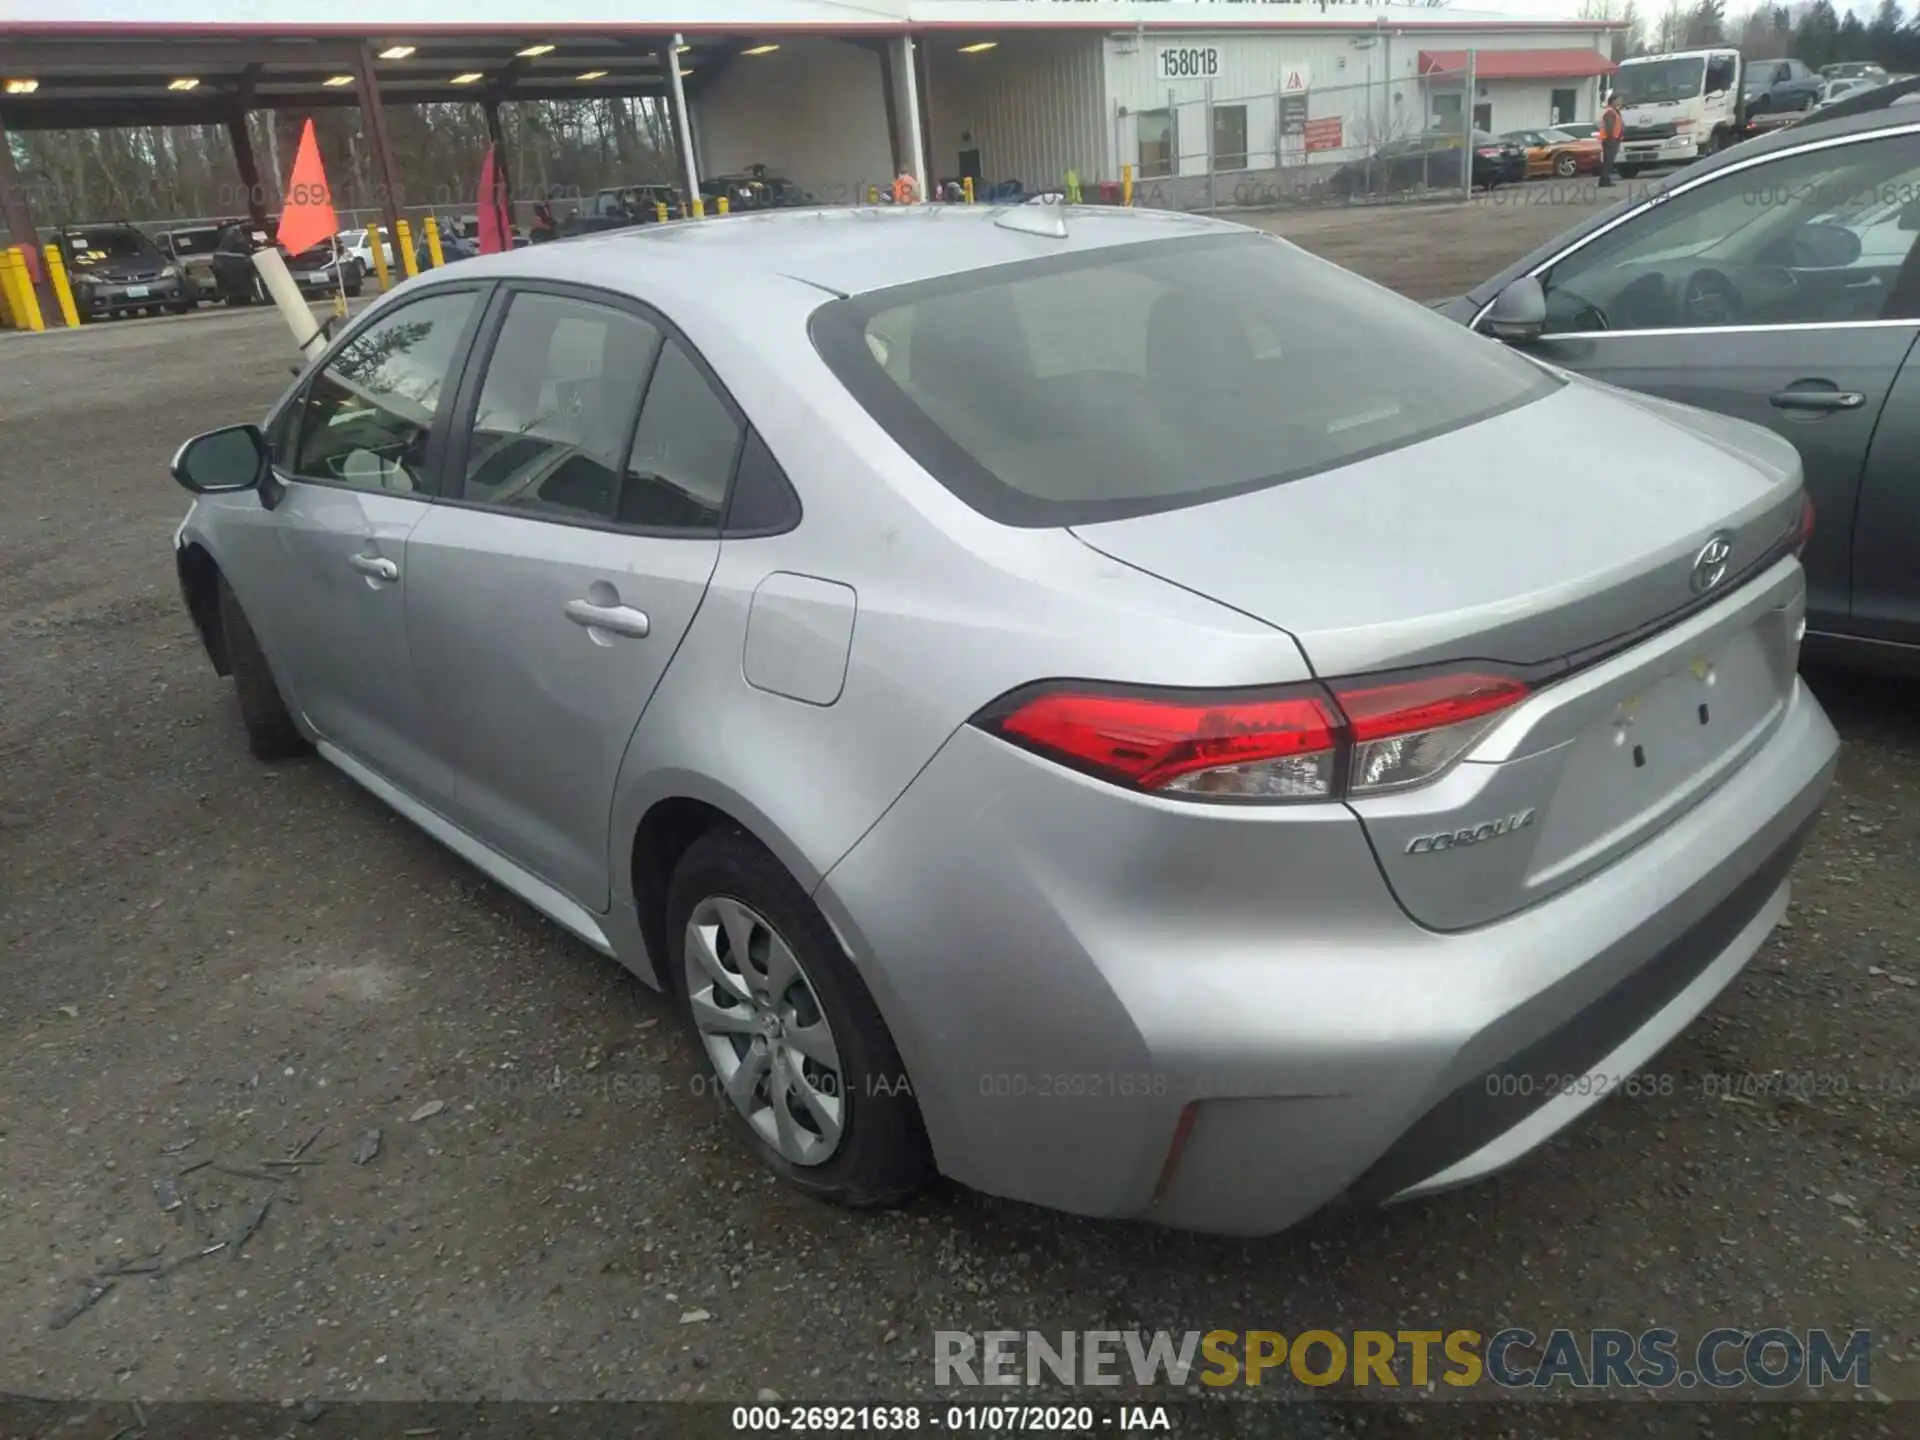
point(82, 83)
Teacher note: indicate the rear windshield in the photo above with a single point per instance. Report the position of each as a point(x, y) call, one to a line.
point(90, 247)
point(1141, 378)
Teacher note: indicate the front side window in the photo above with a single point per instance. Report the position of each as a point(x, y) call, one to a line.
point(557, 406)
point(366, 417)
point(1818, 237)
point(1140, 378)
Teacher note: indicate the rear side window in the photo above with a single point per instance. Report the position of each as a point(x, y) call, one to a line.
point(1118, 382)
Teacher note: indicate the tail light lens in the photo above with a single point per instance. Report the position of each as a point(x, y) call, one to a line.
point(1407, 733)
point(1805, 533)
point(1300, 744)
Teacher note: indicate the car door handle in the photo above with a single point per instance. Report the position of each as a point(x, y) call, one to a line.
point(1817, 400)
point(620, 619)
point(375, 566)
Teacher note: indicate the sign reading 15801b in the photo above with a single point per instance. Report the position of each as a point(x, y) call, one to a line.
point(1188, 62)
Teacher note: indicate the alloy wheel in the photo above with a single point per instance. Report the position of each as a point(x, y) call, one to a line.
point(762, 1026)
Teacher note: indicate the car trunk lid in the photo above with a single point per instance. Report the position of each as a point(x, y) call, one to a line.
point(1564, 541)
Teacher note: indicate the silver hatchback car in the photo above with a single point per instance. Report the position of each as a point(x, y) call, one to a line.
point(1100, 704)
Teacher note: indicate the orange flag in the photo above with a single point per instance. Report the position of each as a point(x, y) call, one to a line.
point(306, 217)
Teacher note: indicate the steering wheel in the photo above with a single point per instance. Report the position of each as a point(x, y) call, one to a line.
point(1709, 298)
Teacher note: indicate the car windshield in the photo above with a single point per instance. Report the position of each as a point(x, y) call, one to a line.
point(194, 242)
point(94, 247)
point(1149, 377)
point(1559, 137)
point(1650, 82)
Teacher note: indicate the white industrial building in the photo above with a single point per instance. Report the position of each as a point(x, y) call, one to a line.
point(1195, 95)
point(1201, 100)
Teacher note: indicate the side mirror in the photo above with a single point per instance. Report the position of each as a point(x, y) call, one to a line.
point(1519, 314)
point(222, 461)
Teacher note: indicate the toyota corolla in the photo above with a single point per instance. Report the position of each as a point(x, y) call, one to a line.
point(1100, 704)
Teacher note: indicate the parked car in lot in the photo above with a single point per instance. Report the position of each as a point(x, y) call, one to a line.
point(619, 206)
point(117, 270)
point(359, 244)
point(1431, 161)
point(1778, 283)
point(324, 269)
point(755, 188)
point(191, 248)
point(1321, 732)
point(1558, 151)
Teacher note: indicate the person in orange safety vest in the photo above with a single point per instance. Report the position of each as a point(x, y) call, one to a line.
point(1613, 129)
point(905, 191)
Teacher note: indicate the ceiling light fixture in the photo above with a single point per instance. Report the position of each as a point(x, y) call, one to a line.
point(396, 52)
point(22, 87)
point(467, 79)
point(184, 83)
point(334, 82)
point(761, 50)
point(977, 47)
point(592, 75)
point(533, 50)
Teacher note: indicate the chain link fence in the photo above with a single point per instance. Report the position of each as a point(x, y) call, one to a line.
point(1383, 139)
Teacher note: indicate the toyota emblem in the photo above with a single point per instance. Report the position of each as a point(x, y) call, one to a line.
point(1710, 565)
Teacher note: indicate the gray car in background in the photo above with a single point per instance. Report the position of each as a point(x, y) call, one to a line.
point(1777, 283)
point(1100, 704)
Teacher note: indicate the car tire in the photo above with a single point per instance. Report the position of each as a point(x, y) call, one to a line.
point(1566, 166)
point(271, 733)
point(881, 1155)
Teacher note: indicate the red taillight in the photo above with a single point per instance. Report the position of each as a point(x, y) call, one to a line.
point(1272, 746)
point(1378, 711)
point(1294, 745)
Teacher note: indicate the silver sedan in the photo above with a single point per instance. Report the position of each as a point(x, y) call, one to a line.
point(1100, 704)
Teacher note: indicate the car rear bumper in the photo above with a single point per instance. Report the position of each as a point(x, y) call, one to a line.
point(1219, 1019)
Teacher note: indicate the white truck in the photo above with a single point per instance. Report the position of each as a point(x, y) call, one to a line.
point(1678, 106)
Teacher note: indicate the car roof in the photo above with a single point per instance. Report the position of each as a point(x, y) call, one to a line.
point(846, 250)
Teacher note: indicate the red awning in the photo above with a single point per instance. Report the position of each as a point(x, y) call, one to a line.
point(1517, 64)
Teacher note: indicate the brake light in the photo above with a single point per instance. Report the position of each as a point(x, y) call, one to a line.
point(1491, 152)
point(1280, 748)
point(1805, 532)
point(1289, 745)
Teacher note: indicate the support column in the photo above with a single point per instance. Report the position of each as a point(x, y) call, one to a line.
point(678, 92)
point(385, 175)
point(20, 227)
point(916, 139)
point(243, 162)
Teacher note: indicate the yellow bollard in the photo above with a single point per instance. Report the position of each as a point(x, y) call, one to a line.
point(1126, 184)
point(403, 242)
point(723, 205)
point(6, 293)
point(699, 208)
point(873, 194)
point(379, 252)
point(660, 211)
point(62, 291)
point(432, 228)
point(966, 185)
point(26, 304)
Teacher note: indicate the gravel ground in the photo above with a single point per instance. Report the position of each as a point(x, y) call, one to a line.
point(210, 960)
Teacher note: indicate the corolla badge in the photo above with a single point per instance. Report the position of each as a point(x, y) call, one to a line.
point(1472, 835)
point(1710, 564)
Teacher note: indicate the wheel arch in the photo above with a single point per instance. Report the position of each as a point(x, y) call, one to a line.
point(654, 827)
point(200, 587)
